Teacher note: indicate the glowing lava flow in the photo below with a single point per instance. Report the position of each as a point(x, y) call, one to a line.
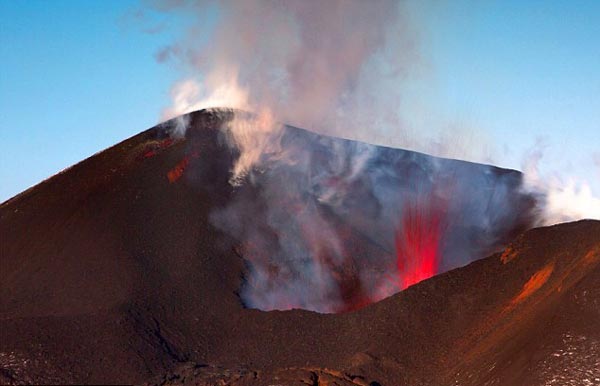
point(418, 242)
point(176, 173)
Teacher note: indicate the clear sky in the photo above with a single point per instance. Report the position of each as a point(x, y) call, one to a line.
point(75, 78)
point(522, 71)
point(79, 76)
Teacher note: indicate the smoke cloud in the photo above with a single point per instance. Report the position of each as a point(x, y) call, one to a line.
point(560, 199)
point(327, 224)
point(331, 225)
point(327, 66)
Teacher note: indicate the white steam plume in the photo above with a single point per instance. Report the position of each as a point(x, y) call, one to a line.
point(334, 67)
point(326, 66)
point(562, 199)
point(312, 63)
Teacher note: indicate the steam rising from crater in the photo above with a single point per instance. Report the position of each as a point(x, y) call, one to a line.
point(332, 225)
point(326, 224)
point(332, 67)
point(562, 199)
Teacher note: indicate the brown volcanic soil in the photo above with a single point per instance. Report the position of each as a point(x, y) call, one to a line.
point(111, 273)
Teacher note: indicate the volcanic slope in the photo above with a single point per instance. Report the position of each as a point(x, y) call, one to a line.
point(112, 272)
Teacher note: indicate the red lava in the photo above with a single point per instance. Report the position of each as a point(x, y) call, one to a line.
point(418, 242)
point(534, 283)
point(174, 174)
point(154, 148)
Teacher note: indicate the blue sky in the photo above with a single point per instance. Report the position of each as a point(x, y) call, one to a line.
point(79, 76)
point(75, 78)
point(521, 70)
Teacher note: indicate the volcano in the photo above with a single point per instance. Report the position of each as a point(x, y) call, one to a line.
point(144, 263)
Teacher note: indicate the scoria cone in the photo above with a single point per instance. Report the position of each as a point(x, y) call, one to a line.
point(121, 270)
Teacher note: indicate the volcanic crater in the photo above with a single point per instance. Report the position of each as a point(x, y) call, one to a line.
point(143, 263)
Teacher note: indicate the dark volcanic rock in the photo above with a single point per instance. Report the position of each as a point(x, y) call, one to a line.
point(111, 272)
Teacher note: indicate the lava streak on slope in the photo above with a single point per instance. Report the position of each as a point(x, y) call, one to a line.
point(153, 147)
point(176, 173)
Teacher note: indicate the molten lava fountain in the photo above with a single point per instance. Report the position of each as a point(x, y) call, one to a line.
point(418, 242)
